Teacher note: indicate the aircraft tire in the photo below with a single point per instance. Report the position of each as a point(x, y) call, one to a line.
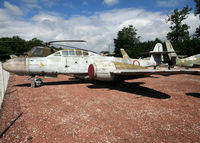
point(33, 84)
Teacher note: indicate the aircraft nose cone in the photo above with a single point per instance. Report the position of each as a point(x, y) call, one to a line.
point(17, 65)
point(6, 66)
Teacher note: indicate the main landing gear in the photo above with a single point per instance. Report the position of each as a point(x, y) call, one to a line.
point(35, 82)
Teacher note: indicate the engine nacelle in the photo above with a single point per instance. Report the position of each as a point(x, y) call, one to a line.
point(101, 71)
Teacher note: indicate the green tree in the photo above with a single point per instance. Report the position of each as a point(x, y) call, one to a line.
point(16, 45)
point(197, 12)
point(197, 32)
point(34, 42)
point(127, 39)
point(197, 8)
point(179, 31)
point(12, 45)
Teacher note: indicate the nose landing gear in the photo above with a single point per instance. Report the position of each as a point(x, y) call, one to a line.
point(35, 82)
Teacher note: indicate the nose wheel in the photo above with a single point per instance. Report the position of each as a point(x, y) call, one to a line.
point(36, 82)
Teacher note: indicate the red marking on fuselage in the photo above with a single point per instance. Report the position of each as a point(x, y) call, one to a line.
point(91, 71)
point(136, 62)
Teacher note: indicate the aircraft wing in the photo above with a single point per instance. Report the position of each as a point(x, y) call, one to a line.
point(151, 71)
point(108, 71)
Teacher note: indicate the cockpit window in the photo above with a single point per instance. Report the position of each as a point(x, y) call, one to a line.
point(65, 53)
point(71, 52)
point(38, 51)
point(32, 50)
point(57, 54)
point(78, 52)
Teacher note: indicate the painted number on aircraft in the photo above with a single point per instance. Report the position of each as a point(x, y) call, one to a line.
point(136, 62)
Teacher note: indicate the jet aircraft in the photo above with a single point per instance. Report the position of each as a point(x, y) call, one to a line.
point(192, 61)
point(155, 60)
point(86, 64)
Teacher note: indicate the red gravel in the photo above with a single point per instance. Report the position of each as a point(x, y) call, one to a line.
point(65, 109)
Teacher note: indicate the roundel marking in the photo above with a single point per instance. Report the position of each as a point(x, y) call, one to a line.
point(91, 71)
point(136, 62)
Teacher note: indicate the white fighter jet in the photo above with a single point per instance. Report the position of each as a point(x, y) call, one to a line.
point(89, 65)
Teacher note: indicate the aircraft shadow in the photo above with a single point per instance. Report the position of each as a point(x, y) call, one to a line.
point(195, 73)
point(197, 95)
point(71, 81)
point(134, 88)
point(23, 85)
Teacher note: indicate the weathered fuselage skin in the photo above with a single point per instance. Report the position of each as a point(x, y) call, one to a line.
point(58, 63)
point(192, 61)
point(19, 66)
point(84, 65)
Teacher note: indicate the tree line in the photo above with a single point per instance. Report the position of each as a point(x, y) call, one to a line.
point(16, 45)
point(128, 39)
point(184, 44)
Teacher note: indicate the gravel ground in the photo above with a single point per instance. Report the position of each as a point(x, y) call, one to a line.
point(65, 109)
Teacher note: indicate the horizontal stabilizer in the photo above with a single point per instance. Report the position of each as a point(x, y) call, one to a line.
point(163, 52)
point(182, 56)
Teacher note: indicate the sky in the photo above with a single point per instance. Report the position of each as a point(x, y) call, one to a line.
point(96, 21)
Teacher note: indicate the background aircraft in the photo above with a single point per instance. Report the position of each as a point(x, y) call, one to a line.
point(45, 48)
point(192, 61)
point(85, 64)
point(155, 60)
point(40, 51)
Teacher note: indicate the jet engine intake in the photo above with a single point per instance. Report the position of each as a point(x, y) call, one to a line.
point(101, 71)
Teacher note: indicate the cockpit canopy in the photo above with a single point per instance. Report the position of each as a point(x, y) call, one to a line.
point(40, 51)
point(37, 50)
point(73, 52)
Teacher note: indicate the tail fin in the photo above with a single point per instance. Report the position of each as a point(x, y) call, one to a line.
point(124, 54)
point(170, 49)
point(13, 56)
point(157, 54)
point(158, 48)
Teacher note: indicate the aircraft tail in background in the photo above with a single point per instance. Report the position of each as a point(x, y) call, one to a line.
point(170, 49)
point(13, 56)
point(124, 54)
point(157, 54)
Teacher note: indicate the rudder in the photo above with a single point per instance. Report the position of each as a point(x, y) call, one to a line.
point(170, 49)
point(157, 54)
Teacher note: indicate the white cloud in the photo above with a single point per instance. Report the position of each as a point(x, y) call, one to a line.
point(110, 2)
point(193, 22)
point(169, 3)
point(25, 6)
point(99, 29)
point(12, 9)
